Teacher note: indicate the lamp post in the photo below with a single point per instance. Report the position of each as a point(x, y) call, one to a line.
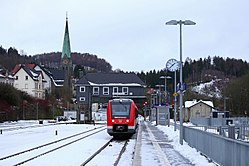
point(165, 86)
point(153, 103)
point(175, 104)
point(166, 96)
point(160, 99)
point(180, 22)
point(37, 111)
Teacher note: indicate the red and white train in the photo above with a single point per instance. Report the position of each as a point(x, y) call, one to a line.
point(121, 117)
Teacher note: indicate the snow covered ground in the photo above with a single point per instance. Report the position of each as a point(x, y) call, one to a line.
point(190, 153)
point(19, 140)
point(208, 88)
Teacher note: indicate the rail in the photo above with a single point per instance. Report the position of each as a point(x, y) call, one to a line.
point(120, 153)
point(97, 152)
point(3, 129)
point(89, 159)
point(54, 142)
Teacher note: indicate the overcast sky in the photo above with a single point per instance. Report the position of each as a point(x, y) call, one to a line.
point(129, 34)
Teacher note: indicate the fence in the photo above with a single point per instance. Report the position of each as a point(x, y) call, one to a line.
point(209, 121)
point(241, 125)
point(219, 121)
point(244, 132)
point(222, 150)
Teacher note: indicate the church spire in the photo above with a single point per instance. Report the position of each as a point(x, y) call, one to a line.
point(66, 49)
point(66, 64)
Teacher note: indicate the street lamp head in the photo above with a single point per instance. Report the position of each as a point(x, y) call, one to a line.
point(162, 77)
point(159, 86)
point(165, 77)
point(175, 22)
point(189, 22)
point(172, 22)
point(168, 77)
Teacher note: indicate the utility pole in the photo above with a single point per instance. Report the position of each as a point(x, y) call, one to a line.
point(37, 111)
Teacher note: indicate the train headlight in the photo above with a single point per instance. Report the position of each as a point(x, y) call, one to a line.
point(127, 120)
point(112, 120)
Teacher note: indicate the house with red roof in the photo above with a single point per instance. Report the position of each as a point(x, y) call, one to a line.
point(29, 80)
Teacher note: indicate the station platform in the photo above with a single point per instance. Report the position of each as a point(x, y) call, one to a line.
point(153, 148)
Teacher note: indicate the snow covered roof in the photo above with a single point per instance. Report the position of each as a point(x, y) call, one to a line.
point(189, 104)
point(114, 84)
point(111, 79)
point(9, 77)
point(58, 77)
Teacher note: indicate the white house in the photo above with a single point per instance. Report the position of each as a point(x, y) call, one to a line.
point(30, 81)
point(47, 76)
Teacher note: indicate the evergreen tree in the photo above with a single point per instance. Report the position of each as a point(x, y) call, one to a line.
point(2, 51)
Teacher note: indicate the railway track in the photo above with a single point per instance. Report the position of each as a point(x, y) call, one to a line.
point(105, 148)
point(120, 153)
point(4, 129)
point(38, 151)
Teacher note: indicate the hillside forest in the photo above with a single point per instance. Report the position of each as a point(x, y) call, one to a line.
point(231, 75)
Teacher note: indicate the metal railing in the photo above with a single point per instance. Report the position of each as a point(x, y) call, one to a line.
point(222, 150)
point(240, 132)
point(221, 125)
point(218, 121)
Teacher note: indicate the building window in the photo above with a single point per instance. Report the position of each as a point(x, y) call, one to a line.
point(82, 99)
point(36, 85)
point(26, 86)
point(125, 90)
point(105, 90)
point(16, 77)
point(82, 88)
point(26, 77)
point(95, 90)
point(115, 89)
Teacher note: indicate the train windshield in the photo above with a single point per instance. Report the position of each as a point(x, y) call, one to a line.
point(120, 109)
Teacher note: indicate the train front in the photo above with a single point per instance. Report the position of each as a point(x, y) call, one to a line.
point(121, 117)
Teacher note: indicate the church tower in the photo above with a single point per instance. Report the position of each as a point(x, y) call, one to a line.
point(66, 62)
